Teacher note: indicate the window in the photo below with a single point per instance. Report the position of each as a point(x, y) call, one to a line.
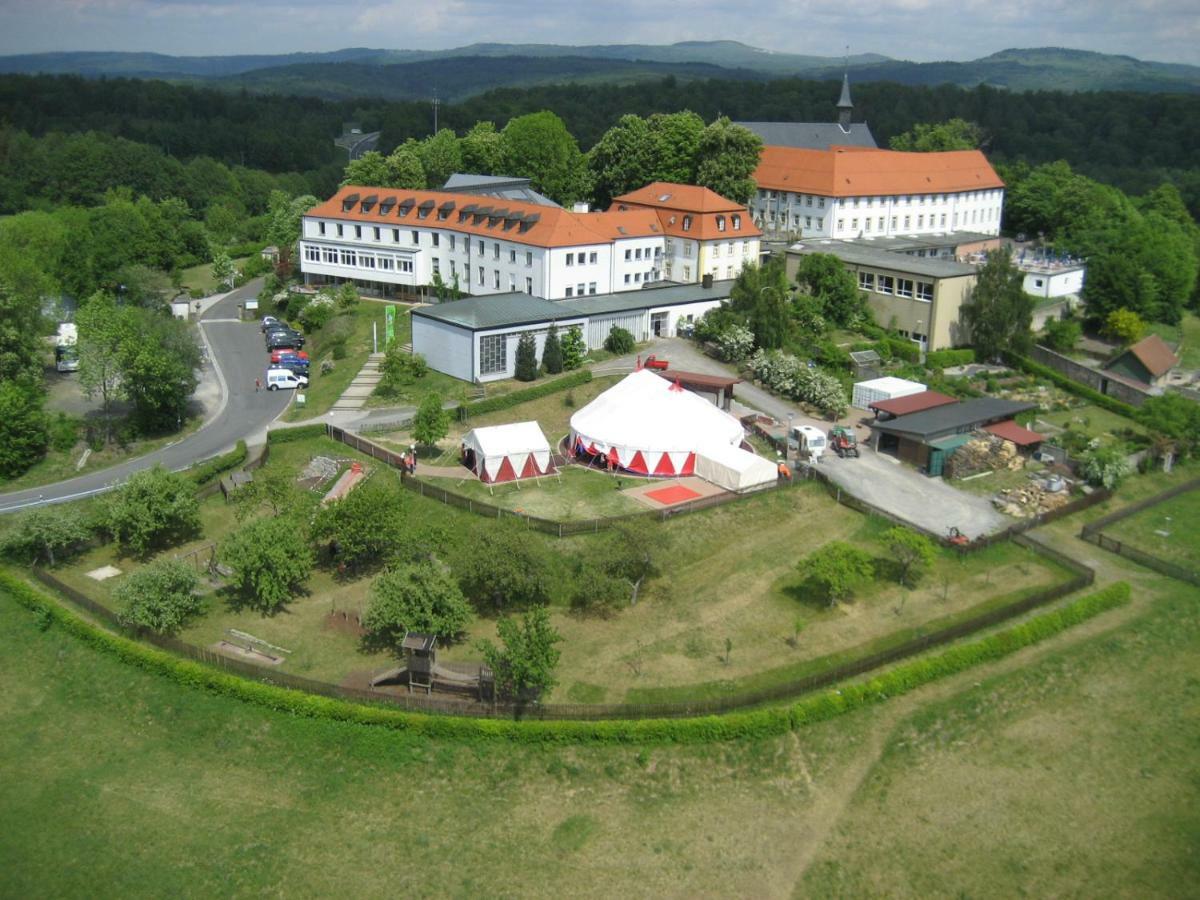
point(580, 257)
point(579, 289)
point(387, 263)
point(358, 231)
point(416, 238)
point(405, 265)
point(312, 254)
point(729, 248)
point(528, 285)
point(920, 221)
point(637, 276)
point(720, 223)
point(377, 232)
point(570, 259)
point(820, 224)
point(716, 249)
point(496, 279)
point(924, 290)
point(366, 260)
point(737, 222)
point(453, 269)
point(453, 240)
point(495, 251)
point(481, 275)
point(592, 256)
point(670, 246)
point(627, 278)
point(493, 354)
point(943, 220)
point(881, 223)
point(395, 235)
point(348, 258)
point(481, 251)
point(436, 239)
point(687, 248)
point(820, 203)
point(886, 284)
point(591, 287)
point(512, 283)
point(856, 203)
point(339, 230)
point(637, 254)
point(528, 257)
point(687, 273)
point(512, 256)
point(437, 265)
point(866, 281)
point(841, 224)
point(854, 224)
point(729, 271)
point(904, 287)
point(867, 222)
point(570, 292)
point(808, 221)
point(628, 254)
point(687, 223)
point(907, 221)
point(320, 228)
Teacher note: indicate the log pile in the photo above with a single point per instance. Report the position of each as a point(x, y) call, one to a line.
point(1030, 500)
point(983, 454)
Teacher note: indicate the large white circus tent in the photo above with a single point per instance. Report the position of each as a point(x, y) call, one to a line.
point(649, 425)
point(499, 453)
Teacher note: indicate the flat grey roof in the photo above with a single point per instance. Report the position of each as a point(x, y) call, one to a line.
point(811, 135)
point(953, 417)
point(498, 187)
point(905, 243)
point(879, 258)
point(513, 309)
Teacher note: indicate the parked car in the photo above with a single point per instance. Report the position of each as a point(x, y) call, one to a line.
point(277, 355)
point(267, 322)
point(293, 364)
point(285, 379)
point(279, 327)
point(283, 340)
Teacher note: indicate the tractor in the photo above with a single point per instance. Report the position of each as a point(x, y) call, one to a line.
point(843, 441)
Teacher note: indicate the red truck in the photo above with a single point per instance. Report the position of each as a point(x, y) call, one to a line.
point(653, 362)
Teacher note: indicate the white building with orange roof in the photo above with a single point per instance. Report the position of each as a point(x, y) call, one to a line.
point(390, 240)
point(851, 193)
point(704, 233)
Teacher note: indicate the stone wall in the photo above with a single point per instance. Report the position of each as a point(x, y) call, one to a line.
point(1086, 375)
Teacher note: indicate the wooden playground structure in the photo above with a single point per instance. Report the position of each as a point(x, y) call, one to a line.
point(421, 670)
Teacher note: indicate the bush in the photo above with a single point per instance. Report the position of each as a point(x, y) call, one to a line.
point(735, 343)
point(299, 433)
point(205, 472)
point(64, 432)
point(339, 349)
point(152, 509)
point(948, 359)
point(316, 314)
point(899, 348)
point(527, 363)
point(1105, 467)
point(1062, 334)
point(573, 348)
point(785, 374)
point(619, 341)
point(162, 596)
point(507, 401)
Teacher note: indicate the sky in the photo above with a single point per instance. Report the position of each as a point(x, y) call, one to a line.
point(921, 30)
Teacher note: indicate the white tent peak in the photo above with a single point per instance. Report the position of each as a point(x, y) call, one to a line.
point(508, 452)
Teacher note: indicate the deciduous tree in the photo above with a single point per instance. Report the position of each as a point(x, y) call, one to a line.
point(912, 552)
point(823, 277)
point(539, 147)
point(154, 508)
point(45, 534)
point(836, 570)
point(998, 313)
point(270, 560)
point(500, 567)
point(955, 134)
point(369, 526)
point(726, 158)
point(573, 348)
point(23, 428)
point(161, 596)
point(420, 596)
point(432, 422)
point(524, 666)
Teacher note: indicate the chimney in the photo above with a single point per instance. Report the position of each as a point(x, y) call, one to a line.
point(707, 280)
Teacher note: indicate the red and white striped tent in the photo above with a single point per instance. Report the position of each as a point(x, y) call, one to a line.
point(651, 426)
point(500, 453)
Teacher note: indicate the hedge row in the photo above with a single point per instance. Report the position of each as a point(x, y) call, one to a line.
point(1067, 384)
point(219, 465)
point(902, 349)
point(507, 401)
point(756, 723)
point(946, 359)
point(299, 433)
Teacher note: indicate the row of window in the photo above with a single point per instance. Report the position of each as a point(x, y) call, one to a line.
point(583, 258)
point(339, 257)
point(578, 291)
point(977, 217)
point(632, 253)
point(902, 200)
point(637, 277)
point(784, 195)
point(901, 287)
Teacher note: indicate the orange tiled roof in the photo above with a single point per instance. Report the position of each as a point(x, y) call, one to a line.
point(864, 172)
point(554, 227)
point(672, 202)
point(1155, 355)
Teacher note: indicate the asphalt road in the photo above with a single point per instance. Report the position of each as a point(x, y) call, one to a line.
point(239, 357)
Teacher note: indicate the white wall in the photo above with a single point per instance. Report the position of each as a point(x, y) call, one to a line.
point(847, 217)
point(1054, 284)
point(445, 347)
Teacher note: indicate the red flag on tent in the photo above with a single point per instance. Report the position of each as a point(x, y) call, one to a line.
point(676, 386)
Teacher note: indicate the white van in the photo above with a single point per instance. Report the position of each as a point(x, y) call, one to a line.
point(810, 440)
point(284, 378)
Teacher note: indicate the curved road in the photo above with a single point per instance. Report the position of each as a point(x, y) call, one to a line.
point(236, 349)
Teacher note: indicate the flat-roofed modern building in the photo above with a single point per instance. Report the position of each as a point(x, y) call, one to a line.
point(475, 339)
point(918, 297)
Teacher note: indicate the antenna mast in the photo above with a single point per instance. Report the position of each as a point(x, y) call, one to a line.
point(436, 104)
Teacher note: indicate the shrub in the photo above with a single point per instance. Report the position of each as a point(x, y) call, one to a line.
point(573, 348)
point(836, 570)
point(526, 364)
point(619, 341)
point(785, 374)
point(64, 432)
point(317, 313)
point(735, 343)
point(162, 596)
point(948, 359)
point(299, 433)
point(1062, 334)
point(900, 348)
point(152, 509)
point(515, 398)
point(552, 353)
point(1123, 325)
point(205, 472)
point(1105, 467)
point(338, 349)
point(431, 423)
point(347, 296)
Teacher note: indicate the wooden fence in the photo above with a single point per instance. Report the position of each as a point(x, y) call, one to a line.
point(1094, 533)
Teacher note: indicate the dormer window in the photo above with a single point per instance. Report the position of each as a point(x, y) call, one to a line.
point(445, 209)
point(425, 209)
point(720, 223)
point(386, 205)
point(368, 203)
point(687, 223)
point(406, 206)
point(737, 222)
point(348, 202)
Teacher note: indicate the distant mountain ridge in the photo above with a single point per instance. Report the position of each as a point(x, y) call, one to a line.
point(405, 74)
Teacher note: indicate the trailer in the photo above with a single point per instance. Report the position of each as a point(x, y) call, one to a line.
point(66, 350)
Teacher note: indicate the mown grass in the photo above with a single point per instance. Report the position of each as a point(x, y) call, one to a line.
point(1070, 771)
point(200, 278)
point(1168, 530)
point(574, 493)
point(353, 328)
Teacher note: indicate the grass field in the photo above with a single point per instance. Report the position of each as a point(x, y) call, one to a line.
point(575, 493)
point(1088, 420)
point(1187, 332)
point(1169, 530)
point(200, 278)
point(1068, 770)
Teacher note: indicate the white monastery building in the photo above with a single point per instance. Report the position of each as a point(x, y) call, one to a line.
point(849, 193)
point(388, 239)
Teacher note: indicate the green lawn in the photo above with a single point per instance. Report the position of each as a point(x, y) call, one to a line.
point(1170, 530)
point(354, 328)
point(1065, 771)
point(1088, 420)
point(575, 493)
point(201, 278)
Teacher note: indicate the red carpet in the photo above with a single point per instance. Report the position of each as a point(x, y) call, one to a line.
point(669, 496)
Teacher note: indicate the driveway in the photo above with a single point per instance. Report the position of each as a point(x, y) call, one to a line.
point(238, 357)
point(879, 479)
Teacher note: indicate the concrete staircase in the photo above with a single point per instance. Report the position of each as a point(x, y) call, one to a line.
point(355, 396)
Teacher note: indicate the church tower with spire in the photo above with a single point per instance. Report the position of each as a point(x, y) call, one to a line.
point(844, 106)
